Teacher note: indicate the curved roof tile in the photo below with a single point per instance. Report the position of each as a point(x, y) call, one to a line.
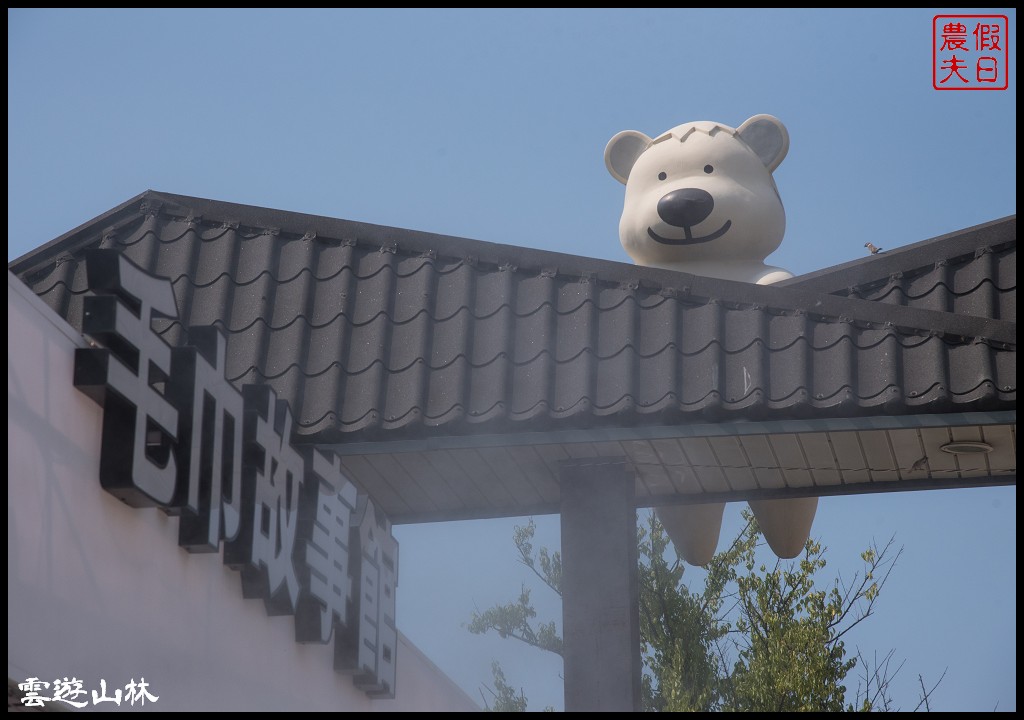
point(380, 333)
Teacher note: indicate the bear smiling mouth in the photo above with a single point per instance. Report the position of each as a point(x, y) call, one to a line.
point(690, 239)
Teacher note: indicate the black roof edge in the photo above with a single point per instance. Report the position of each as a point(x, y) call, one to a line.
point(902, 259)
point(81, 235)
point(798, 298)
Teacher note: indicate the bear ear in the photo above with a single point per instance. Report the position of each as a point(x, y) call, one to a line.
point(767, 137)
point(622, 151)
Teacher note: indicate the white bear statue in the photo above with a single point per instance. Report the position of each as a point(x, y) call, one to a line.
point(701, 199)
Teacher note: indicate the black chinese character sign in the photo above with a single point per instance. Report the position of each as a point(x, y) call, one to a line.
point(177, 435)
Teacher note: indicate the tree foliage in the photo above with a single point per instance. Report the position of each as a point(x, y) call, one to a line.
point(678, 630)
point(755, 637)
point(504, 696)
point(516, 619)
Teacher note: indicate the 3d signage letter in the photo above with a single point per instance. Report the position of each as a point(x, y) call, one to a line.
point(177, 435)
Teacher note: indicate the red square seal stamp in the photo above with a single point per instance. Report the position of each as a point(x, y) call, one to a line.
point(970, 52)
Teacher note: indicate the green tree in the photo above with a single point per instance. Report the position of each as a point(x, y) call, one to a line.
point(790, 652)
point(763, 637)
point(505, 697)
point(679, 629)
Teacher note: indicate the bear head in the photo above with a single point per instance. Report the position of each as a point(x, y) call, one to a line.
point(701, 198)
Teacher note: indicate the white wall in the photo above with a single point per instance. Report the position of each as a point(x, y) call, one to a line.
point(97, 589)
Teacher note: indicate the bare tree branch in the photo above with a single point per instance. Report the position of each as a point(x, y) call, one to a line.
point(926, 694)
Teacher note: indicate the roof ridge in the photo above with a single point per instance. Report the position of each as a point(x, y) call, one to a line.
point(948, 246)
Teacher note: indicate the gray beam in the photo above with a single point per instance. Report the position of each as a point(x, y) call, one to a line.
point(654, 432)
point(864, 488)
point(600, 593)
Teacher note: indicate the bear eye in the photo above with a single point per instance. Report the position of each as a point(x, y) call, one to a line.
point(662, 176)
point(708, 169)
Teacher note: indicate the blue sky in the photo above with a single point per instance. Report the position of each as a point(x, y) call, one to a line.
point(492, 125)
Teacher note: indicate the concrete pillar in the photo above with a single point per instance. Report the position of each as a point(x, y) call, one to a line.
point(600, 594)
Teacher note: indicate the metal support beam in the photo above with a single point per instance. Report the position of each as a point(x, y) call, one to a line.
point(600, 594)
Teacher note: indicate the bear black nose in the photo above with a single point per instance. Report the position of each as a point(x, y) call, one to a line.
point(685, 207)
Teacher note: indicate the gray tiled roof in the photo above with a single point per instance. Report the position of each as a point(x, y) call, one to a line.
point(376, 333)
point(971, 272)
